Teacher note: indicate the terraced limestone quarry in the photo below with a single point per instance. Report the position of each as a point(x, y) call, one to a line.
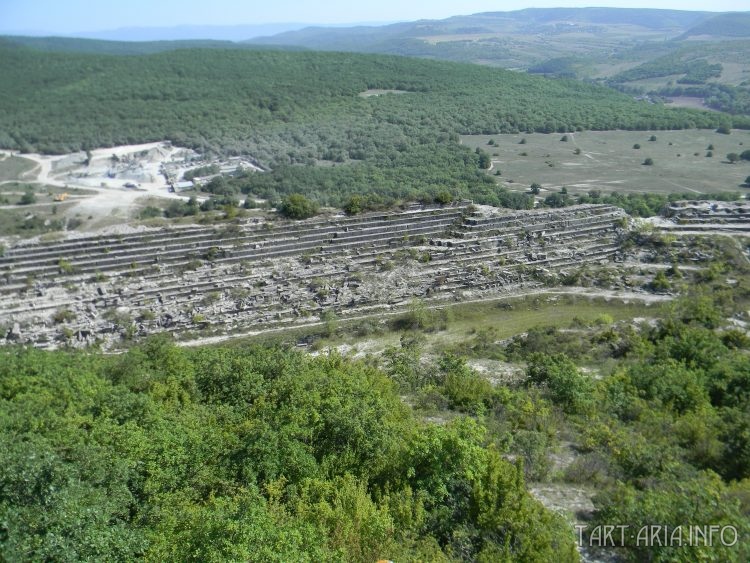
point(204, 282)
point(708, 216)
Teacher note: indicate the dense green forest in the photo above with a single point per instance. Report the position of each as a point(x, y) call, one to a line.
point(722, 97)
point(292, 110)
point(266, 454)
point(696, 71)
point(247, 454)
point(232, 100)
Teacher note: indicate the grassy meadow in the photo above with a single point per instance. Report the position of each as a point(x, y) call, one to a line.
point(609, 162)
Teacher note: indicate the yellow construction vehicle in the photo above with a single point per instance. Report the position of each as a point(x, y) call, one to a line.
point(61, 197)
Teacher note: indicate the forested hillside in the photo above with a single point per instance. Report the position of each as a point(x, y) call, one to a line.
point(722, 25)
point(228, 100)
point(640, 50)
point(292, 108)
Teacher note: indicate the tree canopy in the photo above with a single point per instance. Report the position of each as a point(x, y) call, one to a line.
point(255, 454)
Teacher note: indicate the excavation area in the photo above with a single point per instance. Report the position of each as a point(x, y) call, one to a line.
point(250, 276)
point(256, 275)
point(101, 188)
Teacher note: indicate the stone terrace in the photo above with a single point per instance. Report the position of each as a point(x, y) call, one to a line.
point(249, 277)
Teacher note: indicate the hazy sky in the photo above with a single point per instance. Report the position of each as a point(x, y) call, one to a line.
point(70, 16)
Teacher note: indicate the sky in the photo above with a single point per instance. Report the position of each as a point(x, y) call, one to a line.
point(71, 16)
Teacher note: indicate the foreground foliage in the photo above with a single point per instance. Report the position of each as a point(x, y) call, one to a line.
point(663, 436)
point(258, 454)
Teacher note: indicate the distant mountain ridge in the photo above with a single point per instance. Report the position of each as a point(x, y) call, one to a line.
point(641, 51)
point(233, 33)
point(191, 32)
point(644, 52)
point(104, 47)
point(723, 25)
point(530, 20)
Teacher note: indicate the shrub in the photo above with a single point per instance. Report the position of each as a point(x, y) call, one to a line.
point(297, 206)
point(150, 212)
point(354, 206)
point(566, 385)
point(660, 282)
point(466, 390)
point(65, 266)
point(27, 199)
point(648, 162)
point(63, 316)
point(443, 197)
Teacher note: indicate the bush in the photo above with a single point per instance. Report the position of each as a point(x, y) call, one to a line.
point(648, 162)
point(297, 206)
point(660, 283)
point(150, 212)
point(27, 199)
point(556, 200)
point(63, 316)
point(443, 197)
point(182, 208)
point(485, 161)
point(466, 389)
point(65, 266)
point(354, 206)
point(567, 387)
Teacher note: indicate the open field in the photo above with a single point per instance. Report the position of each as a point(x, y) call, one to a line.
point(609, 162)
point(688, 102)
point(507, 317)
point(13, 167)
